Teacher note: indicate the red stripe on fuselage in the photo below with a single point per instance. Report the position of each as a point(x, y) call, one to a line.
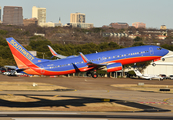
point(83, 69)
point(114, 69)
point(134, 60)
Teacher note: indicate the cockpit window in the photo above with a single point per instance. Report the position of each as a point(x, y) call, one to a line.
point(159, 48)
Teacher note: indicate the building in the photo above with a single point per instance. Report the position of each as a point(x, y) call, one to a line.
point(12, 15)
point(77, 18)
point(40, 14)
point(48, 24)
point(119, 25)
point(58, 24)
point(27, 22)
point(80, 25)
point(162, 66)
point(139, 25)
point(163, 27)
point(119, 35)
point(0, 15)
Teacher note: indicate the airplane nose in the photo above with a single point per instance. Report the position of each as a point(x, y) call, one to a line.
point(165, 51)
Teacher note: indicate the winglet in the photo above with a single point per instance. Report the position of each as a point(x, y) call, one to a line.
point(84, 58)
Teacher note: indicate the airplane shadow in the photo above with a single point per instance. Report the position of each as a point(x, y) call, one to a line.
point(76, 101)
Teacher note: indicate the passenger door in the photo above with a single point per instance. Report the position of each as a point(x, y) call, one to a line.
point(151, 51)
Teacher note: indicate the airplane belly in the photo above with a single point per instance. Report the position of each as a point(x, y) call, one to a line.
point(136, 59)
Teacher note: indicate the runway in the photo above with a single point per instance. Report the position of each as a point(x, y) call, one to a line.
point(84, 116)
point(87, 90)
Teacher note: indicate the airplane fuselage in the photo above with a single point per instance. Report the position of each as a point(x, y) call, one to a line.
point(123, 56)
point(109, 60)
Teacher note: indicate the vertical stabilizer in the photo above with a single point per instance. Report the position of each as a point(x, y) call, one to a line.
point(22, 57)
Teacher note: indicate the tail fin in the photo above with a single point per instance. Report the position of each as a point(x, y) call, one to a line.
point(137, 73)
point(52, 51)
point(22, 57)
point(55, 54)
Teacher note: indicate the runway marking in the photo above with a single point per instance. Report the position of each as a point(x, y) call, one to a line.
point(166, 100)
point(40, 113)
point(56, 119)
point(56, 96)
point(165, 103)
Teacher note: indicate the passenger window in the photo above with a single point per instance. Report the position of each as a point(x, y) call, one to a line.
point(159, 48)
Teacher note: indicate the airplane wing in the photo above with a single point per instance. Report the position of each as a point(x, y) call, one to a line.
point(167, 56)
point(91, 64)
point(56, 54)
point(162, 63)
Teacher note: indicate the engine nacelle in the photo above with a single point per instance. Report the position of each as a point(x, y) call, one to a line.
point(114, 67)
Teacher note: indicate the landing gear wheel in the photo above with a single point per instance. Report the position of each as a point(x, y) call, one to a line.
point(94, 75)
point(154, 64)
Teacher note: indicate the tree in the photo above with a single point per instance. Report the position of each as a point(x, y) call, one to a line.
point(137, 39)
point(3, 42)
point(138, 44)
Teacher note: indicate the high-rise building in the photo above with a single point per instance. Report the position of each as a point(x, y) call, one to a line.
point(0, 14)
point(13, 15)
point(39, 13)
point(139, 25)
point(77, 18)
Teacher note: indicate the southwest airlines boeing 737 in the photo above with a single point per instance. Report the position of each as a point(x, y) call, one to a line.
point(109, 60)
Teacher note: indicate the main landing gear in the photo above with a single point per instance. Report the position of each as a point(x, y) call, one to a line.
point(93, 74)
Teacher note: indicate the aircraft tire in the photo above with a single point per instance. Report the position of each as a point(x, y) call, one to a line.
point(94, 75)
point(154, 64)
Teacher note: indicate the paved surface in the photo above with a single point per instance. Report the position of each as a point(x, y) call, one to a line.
point(84, 116)
point(89, 89)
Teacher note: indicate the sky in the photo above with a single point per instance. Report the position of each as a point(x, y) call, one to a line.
point(102, 12)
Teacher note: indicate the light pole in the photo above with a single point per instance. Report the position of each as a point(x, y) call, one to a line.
point(43, 55)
